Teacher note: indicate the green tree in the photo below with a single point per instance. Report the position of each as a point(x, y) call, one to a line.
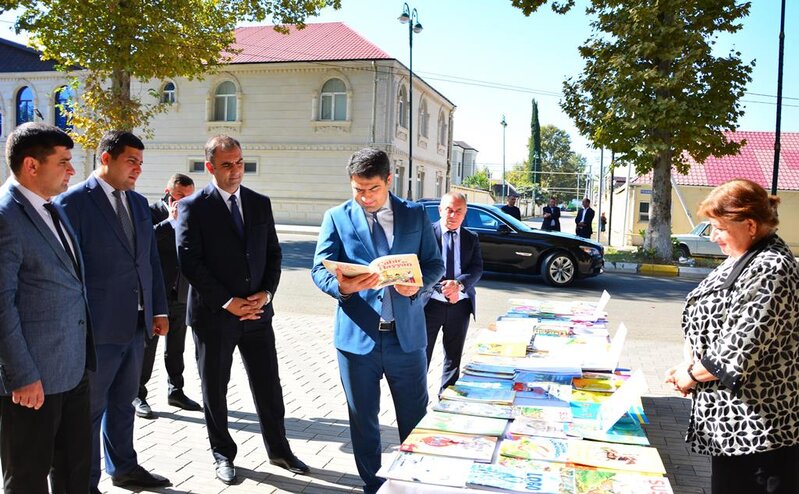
point(479, 180)
point(560, 166)
point(653, 92)
point(534, 149)
point(113, 42)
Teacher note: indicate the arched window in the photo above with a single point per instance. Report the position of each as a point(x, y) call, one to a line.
point(402, 107)
point(24, 105)
point(333, 101)
point(63, 99)
point(168, 93)
point(443, 130)
point(424, 119)
point(225, 102)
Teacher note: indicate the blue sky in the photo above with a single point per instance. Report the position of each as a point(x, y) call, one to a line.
point(491, 60)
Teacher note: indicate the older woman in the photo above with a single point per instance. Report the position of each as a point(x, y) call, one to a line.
point(741, 328)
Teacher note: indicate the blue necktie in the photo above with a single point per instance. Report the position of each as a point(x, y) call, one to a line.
point(450, 274)
point(381, 246)
point(235, 213)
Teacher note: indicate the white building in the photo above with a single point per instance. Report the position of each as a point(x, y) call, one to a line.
point(464, 159)
point(300, 104)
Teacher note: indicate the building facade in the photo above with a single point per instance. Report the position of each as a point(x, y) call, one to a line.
point(464, 159)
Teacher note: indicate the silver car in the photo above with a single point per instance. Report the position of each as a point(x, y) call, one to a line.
point(698, 243)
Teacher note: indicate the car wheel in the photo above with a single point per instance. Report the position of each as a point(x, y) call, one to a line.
point(559, 269)
point(683, 251)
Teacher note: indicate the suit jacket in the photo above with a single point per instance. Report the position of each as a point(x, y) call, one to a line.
point(471, 264)
point(45, 331)
point(345, 236)
point(177, 287)
point(218, 263)
point(114, 273)
point(547, 223)
point(586, 230)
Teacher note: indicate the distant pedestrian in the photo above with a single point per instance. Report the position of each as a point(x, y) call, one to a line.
point(551, 216)
point(510, 207)
point(603, 222)
point(584, 219)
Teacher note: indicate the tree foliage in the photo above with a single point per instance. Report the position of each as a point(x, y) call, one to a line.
point(561, 167)
point(478, 180)
point(534, 148)
point(653, 91)
point(119, 40)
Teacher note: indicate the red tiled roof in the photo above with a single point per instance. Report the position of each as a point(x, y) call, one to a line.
point(754, 162)
point(322, 41)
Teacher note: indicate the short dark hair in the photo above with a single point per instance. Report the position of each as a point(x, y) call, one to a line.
point(115, 141)
point(179, 179)
point(218, 142)
point(368, 163)
point(36, 140)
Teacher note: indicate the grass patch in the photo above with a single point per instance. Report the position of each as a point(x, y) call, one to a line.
point(639, 257)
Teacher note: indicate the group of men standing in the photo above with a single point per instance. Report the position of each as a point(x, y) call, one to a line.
point(92, 275)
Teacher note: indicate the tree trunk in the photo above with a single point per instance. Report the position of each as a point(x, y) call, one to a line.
point(658, 233)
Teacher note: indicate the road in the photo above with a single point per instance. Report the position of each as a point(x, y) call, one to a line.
point(649, 307)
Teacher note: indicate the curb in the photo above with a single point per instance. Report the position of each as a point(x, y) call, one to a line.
point(656, 270)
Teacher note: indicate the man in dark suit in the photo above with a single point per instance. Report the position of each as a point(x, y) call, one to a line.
point(551, 221)
point(46, 342)
point(229, 251)
point(510, 207)
point(126, 295)
point(165, 215)
point(584, 219)
point(452, 300)
point(377, 332)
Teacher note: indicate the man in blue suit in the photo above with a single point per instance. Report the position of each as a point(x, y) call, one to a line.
point(377, 332)
point(126, 295)
point(45, 337)
point(453, 300)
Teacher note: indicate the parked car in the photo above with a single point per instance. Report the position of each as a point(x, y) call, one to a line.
point(697, 242)
point(510, 246)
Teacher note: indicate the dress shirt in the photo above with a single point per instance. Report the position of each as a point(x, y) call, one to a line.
point(385, 215)
point(226, 199)
point(38, 203)
point(444, 247)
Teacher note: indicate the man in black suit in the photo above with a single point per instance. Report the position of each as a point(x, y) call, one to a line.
point(229, 251)
point(452, 300)
point(551, 221)
point(165, 215)
point(510, 207)
point(584, 219)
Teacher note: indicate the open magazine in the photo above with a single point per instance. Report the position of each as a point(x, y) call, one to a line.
point(396, 269)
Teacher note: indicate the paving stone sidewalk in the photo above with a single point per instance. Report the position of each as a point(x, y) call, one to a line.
point(176, 444)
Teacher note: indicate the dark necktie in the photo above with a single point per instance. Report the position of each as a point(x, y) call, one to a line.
point(235, 213)
point(124, 219)
point(450, 274)
point(57, 222)
point(381, 246)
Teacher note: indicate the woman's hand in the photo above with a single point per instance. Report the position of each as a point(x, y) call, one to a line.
point(678, 377)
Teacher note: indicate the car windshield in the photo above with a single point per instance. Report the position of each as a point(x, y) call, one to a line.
point(518, 225)
point(702, 229)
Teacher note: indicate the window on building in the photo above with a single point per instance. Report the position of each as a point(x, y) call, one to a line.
point(225, 102)
point(402, 108)
point(198, 166)
point(168, 94)
point(443, 130)
point(64, 98)
point(24, 105)
point(439, 185)
point(399, 179)
point(419, 184)
point(424, 119)
point(333, 101)
point(643, 211)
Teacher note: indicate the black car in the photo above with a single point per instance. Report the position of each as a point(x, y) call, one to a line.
point(510, 246)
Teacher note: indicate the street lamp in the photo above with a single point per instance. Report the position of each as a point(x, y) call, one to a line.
point(504, 124)
point(411, 18)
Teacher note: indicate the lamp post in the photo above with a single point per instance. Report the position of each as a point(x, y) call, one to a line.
point(411, 18)
point(504, 124)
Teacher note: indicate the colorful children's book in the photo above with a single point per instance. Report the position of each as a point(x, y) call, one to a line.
point(607, 482)
point(615, 456)
point(627, 430)
point(482, 395)
point(474, 408)
point(467, 424)
point(535, 448)
point(480, 448)
point(531, 427)
point(428, 469)
point(514, 479)
point(550, 414)
point(496, 369)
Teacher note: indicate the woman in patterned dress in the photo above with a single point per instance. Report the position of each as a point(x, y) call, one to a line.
point(741, 328)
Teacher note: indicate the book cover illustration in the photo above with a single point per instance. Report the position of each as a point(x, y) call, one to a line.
point(606, 482)
point(488, 368)
point(484, 395)
point(428, 469)
point(549, 414)
point(467, 424)
point(615, 456)
point(627, 430)
point(531, 427)
point(480, 448)
point(535, 448)
point(396, 269)
point(474, 408)
point(514, 479)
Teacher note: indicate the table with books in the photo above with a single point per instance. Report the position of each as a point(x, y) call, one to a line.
point(542, 407)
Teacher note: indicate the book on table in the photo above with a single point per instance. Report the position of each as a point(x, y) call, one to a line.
point(596, 481)
point(495, 476)
point(467, 424)
point(428, 469)
point(395, 269)
point(479, 448)
point(475, 408)
point(482, 395)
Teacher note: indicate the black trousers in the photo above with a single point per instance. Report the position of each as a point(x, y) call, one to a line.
point(772, 472)
point(256, 346)
point(453, 321)
point(173, 353)
point(56, 440)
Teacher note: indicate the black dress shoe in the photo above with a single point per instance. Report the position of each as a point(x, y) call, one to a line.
point(226, 472)
point(180, 400)
point(290, 463)
point(139, 477)
point(143, 410)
